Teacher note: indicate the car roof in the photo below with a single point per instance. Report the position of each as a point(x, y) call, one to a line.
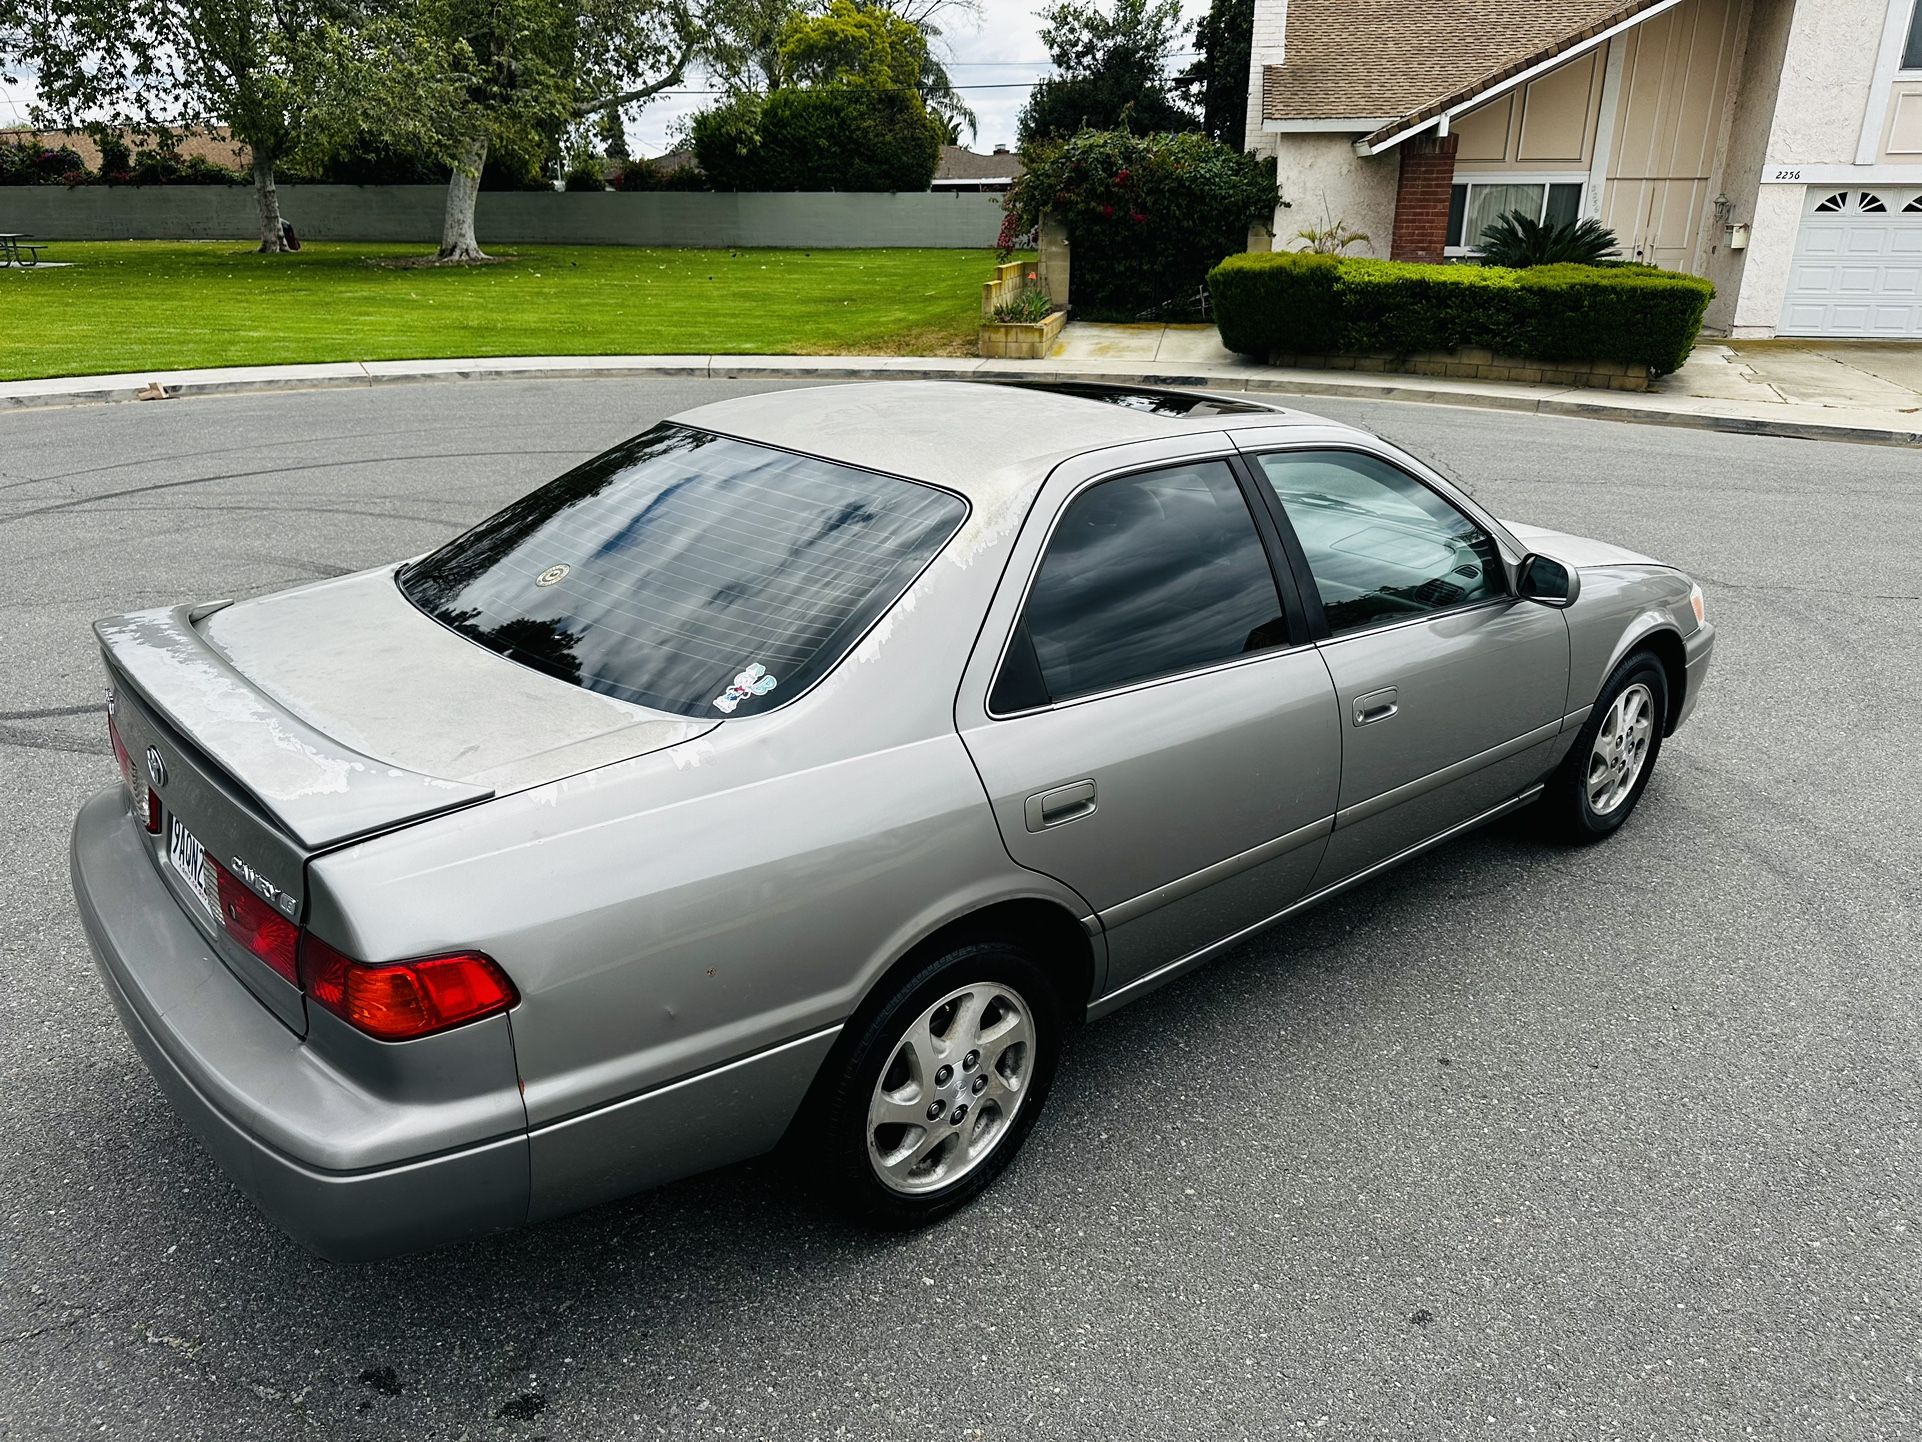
point(985, 440)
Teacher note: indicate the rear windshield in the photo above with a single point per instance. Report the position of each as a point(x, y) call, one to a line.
point(687, 571)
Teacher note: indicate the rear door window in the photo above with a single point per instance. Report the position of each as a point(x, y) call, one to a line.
point(689, 572)
point(1145, 575)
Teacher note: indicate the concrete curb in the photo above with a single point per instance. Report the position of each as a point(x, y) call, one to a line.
point(1800, 422)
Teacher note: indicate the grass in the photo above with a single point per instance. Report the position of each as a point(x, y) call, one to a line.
point(175, 305)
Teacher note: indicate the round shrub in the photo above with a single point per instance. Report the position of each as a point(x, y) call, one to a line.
point(1147, 215)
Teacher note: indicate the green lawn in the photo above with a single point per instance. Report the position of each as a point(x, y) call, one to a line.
point(172, 305)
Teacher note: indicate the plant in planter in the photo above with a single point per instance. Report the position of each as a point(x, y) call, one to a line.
point(1018, 316)
point(1028, 306)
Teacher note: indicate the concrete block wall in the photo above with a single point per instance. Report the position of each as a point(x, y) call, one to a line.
point(412, 214)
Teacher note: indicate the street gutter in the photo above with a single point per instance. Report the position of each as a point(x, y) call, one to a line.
point(1804, 422)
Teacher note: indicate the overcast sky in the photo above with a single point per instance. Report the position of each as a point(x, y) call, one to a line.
point(992, 60)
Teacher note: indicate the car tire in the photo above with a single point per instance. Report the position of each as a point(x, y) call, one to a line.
point(977, 1030)
point(1606, 771)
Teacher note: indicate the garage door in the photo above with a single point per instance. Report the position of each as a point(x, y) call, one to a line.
point(1858, 264)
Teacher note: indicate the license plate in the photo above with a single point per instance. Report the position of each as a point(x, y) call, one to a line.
point(189, 858)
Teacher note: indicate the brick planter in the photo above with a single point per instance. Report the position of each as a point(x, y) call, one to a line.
point(1472, 364)
point(1020, 340)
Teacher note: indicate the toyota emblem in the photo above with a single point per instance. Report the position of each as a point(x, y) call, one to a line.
point(156, 768)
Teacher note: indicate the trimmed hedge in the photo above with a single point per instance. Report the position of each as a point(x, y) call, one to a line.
point(1296, 302)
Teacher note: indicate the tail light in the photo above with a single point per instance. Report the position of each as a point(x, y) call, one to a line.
point(397, 1001)
point(257, 926)
point(146, 801)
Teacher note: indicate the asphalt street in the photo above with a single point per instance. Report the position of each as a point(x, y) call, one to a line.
point(1623, 1142)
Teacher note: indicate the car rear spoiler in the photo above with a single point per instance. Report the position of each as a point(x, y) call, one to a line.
point(320, 792)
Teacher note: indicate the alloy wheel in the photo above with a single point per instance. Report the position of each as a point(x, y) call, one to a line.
point(1621, 749)
point(949, 1092)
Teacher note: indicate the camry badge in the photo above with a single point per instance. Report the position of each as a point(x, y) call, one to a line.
point(156, 768)
point(551, 575)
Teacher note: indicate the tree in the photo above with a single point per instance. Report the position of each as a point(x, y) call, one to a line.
point(746, 52)
point(854, 44)
point(474, 76)
point(1111, 70)
point(1218, 80)
point(278, 73)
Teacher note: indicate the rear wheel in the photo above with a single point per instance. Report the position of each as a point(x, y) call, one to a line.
point(1607, 770)
point(942, 1085)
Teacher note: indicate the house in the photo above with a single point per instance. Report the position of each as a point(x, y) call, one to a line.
point(962, 169)
point(213, 143)
point(1774, 146)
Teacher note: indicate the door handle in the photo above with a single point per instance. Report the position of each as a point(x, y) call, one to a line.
point(1376, 706)
point(1061, 805)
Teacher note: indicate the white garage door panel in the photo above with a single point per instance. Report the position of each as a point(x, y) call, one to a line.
point(1858, 265)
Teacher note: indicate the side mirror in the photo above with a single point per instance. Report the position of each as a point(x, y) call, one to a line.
point(1548, 581)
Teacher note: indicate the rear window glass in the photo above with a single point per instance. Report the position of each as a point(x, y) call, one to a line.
point(687, 571)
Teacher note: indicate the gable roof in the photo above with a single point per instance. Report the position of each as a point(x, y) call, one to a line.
point(959, 163)
point(1407, 61)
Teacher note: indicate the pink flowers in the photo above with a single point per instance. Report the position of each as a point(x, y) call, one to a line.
point(1107, 212)
point(1138, 217)
point(1121, 177)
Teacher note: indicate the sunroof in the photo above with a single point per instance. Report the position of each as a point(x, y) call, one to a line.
point(1150, 400)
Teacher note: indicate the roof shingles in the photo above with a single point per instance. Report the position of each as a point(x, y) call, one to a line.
point(1411, 59)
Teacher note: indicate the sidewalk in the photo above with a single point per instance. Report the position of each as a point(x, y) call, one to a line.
point(1769, 388)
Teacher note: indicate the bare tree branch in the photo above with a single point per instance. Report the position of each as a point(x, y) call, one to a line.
point(675, 72)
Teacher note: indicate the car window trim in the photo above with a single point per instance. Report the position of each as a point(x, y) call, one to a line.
point(1304, 574)
point(1293, 612)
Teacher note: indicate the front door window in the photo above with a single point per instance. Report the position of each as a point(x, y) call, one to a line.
point(1381, 545)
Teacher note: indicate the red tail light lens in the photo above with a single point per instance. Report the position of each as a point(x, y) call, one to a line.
point(397, 1001)
point(144, 797)
point(256, 925)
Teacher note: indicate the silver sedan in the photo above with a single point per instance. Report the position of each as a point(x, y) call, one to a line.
point(802, 771)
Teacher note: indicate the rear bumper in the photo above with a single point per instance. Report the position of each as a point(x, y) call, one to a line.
point(1697, 650)
point(350, 1172)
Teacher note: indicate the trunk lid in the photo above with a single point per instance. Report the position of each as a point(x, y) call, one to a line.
point(311, 719)
point(356, 660)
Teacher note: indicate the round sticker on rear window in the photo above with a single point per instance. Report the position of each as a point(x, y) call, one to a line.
point(551, 575)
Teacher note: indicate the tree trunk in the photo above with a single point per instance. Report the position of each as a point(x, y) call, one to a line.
point(457, 242)
point(269, 201)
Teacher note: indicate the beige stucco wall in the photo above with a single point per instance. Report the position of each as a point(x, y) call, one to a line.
point(1757, 75)
point(1826, 74)
point(1324, 181)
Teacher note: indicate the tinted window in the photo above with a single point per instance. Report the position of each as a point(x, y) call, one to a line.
point(1382, 546)
point(1147, 575)
point(688, 572)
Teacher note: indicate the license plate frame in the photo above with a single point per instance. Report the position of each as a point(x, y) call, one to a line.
point(189, 860)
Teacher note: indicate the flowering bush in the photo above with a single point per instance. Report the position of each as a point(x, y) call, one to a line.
point(1147, 215)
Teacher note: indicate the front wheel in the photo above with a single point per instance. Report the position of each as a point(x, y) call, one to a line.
point(1607, 770)
point(942, 1085)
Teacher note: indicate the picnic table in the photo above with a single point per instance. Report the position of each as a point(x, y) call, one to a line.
point(16, 250)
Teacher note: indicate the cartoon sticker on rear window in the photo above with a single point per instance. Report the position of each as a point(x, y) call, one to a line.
point(748, 684)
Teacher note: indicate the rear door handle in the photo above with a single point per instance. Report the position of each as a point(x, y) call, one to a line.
point(1376, 706)
point(1061, 805)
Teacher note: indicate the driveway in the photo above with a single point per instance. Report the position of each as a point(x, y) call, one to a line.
point(1517, 1142)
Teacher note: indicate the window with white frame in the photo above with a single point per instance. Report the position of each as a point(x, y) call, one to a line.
point(1912, 47)
point(1473, 205)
